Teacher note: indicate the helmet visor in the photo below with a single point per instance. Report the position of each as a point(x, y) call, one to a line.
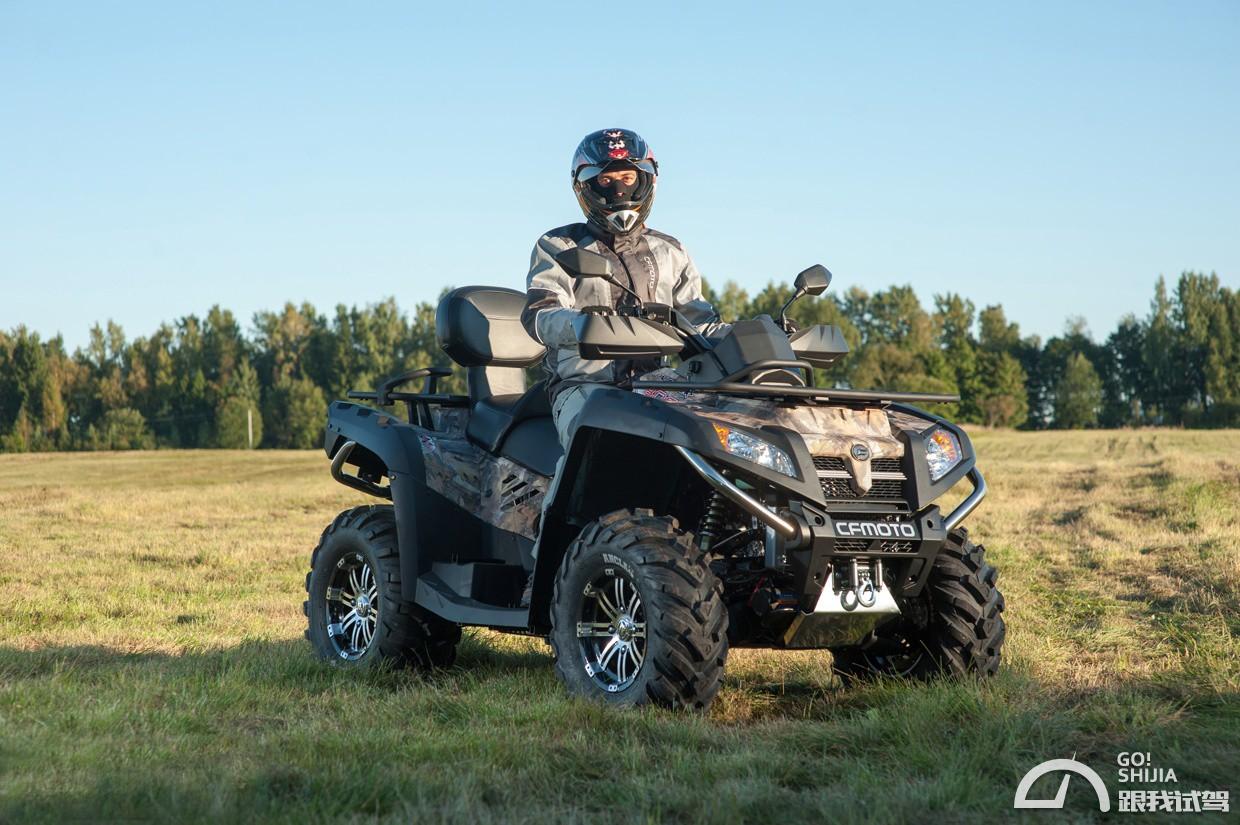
point(592, 171)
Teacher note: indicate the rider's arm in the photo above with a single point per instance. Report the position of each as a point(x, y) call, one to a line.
point(691, 304)
point(549, 313)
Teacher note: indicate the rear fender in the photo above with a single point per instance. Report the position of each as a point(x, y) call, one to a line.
point(380, 437)
point(386, 446)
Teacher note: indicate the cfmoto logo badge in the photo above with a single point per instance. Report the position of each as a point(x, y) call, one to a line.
point(876, 529)
point(1069, 767)
point(861, 452)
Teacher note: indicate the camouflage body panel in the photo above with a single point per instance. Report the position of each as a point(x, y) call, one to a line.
point(508, 496)
point(451, 420)
point(909, 423)
point(501, 492)
point(828, 430)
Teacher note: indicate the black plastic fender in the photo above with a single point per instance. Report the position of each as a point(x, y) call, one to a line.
point(635, 415)
point(390, 440)
point(387, 447)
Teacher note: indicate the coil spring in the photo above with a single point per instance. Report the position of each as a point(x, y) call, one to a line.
point(712, 520)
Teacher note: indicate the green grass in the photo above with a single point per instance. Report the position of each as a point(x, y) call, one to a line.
point(152, 666)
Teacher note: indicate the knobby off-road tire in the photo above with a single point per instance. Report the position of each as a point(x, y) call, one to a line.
point(356, 615)
point(670, 604)
point(961, 631)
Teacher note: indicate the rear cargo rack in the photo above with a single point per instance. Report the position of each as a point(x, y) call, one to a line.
point(417, 404)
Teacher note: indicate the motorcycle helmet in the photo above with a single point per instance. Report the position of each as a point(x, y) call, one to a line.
point(618, 208)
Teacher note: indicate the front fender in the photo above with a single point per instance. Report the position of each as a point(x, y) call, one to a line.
point(635, 414)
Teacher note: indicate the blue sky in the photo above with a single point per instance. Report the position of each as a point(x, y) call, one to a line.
point(1056, 158)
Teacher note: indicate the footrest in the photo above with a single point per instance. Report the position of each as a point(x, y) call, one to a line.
point(455, 598)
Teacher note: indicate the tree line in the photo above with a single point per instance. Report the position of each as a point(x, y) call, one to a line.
point(206, 382)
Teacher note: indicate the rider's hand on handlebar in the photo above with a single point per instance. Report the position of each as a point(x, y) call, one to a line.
point(661, 313)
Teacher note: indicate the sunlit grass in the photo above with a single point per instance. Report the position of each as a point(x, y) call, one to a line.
point(152, 666)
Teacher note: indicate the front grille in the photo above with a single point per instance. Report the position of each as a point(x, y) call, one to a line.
point(886, 465)
point(833, 463)
point(880, 490)
point(887, 479)
point(829, 462)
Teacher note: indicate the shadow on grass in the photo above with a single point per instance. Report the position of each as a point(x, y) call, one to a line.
point(290, 664)
point(271, 663)
point(264, 730)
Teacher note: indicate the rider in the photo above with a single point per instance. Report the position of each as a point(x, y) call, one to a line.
point(614, 175)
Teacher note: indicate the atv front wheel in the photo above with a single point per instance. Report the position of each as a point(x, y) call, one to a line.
point(354, 607)
point(959, 632)
point(637, 615)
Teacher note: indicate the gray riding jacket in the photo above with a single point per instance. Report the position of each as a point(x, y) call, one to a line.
point(652, 264)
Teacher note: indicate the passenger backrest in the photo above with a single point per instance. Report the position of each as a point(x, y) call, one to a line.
point(479, 327)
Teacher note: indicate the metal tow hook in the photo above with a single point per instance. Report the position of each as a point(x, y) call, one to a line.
point(866, 594)
point(862, 593)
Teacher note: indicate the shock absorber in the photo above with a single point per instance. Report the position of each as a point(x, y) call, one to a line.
point(712, 520)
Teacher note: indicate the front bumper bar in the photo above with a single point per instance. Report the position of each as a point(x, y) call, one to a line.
point(810, 543)
point(788, 527)
point(785, 527)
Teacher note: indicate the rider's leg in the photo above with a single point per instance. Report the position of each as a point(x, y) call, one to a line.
point(564, 412)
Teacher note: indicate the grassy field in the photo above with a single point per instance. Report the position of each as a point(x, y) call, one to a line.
point(152, 666)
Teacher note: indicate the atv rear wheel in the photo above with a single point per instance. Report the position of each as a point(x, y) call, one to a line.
point(356, 615)
point(960, 631)
point(637, 615)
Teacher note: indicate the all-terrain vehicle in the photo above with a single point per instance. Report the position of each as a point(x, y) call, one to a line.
point(726, 501)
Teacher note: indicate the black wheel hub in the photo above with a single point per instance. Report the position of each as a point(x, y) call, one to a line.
point(352, 606)
point(612, 630)
point(898, 652)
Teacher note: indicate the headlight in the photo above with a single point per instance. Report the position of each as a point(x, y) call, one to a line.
point(942, 452)
point(763, 453)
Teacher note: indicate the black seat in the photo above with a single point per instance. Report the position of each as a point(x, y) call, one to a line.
point(533, 443)
point(494, 417)
point(479, 327)
point(518, 427)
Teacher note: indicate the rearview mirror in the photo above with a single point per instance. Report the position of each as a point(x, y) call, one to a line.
point(584, 264)
point(813, 281)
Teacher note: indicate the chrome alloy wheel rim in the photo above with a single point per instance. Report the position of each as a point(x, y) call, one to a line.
point(352, 606)
point(612, 630)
